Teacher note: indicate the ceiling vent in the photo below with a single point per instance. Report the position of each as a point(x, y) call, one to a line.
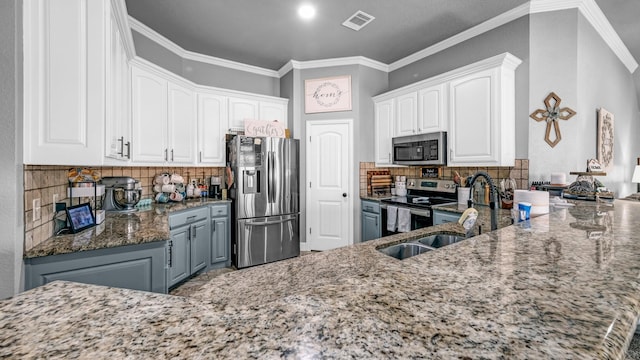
point(358, 20)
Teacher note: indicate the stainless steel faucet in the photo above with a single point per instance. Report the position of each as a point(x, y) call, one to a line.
point(493, 196)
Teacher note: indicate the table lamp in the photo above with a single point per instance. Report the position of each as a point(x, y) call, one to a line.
point(636, 176)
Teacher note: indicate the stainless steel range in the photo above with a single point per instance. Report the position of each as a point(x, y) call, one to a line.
point(422, 194)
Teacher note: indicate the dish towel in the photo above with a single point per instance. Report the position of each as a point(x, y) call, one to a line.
point(392, 214)
point(404, 220)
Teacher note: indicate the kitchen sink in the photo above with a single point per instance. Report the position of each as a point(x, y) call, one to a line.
point(440, 240)
point(405, 250)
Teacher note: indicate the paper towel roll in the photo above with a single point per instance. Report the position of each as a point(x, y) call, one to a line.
point(539, 200)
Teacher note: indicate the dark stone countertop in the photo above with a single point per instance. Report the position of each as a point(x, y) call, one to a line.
point(146, 225)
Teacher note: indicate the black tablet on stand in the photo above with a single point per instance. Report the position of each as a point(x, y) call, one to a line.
point(80, 217)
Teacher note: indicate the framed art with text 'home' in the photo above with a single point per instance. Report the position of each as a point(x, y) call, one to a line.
point(327, 94)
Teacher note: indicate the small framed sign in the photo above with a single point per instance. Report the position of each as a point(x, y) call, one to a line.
point(593, 165)
point(327, 94)
point(80, 217)
point(259, 128)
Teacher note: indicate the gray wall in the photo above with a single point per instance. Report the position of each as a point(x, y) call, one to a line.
point(555, 73)
point(11, 221)
point(365, 82)
point(372, 82)
point(204, 73)
point(586, 76)
point(157, 54)
point(512, 37)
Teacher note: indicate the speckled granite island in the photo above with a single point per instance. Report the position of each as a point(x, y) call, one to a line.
point(562, 286)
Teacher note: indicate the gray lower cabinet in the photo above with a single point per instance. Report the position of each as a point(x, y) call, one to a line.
point(188, 247)
point(138, 267)
point(371, 220)
point(442, 217)
point(220, 236)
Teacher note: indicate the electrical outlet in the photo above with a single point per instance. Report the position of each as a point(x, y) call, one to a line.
point(53, 205)
point(36, 209)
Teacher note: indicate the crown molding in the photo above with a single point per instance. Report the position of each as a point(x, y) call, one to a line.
point(588, 8)
point(190, 55)
point(488, 25)
point(121, 16)
point(601, 24)
point(594, 15)
point(505, 60)
point(315, 64)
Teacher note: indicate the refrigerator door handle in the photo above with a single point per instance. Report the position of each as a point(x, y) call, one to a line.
point(271, 169)
point(262, 223)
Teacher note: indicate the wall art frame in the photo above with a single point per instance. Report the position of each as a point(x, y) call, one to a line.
point(327, 94)
point(605, 139)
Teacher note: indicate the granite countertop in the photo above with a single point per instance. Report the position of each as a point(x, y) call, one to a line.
point(561, 286)
point(146, 225)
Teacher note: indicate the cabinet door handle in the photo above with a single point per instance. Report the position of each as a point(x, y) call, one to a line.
point(170, 252)
point(200, 156)
point(121, 140)
point(376, 222)
point(213, 225)
point(171, 154)
point(128, 145)
point(389, 158)
point(194, 231)
point(166, 154)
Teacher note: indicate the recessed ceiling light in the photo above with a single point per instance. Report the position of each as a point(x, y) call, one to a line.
point(306, 11)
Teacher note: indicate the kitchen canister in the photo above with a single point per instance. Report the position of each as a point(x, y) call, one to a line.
point(401, 188)
point(463, 195)
point(558, 178)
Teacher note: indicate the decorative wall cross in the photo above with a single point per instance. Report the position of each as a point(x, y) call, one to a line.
point(551, 115)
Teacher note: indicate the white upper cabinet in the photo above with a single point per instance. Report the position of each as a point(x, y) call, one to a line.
point(384, 116)
point(273, 111)
point(432, 107)
point(406, 117)
point(212, 126)
point(64, 81)
point(118, 119)
point(241, 109)
point(149, 112)
point(475, 104)
point(164, 119)
point(482, 115)
point(181, 124)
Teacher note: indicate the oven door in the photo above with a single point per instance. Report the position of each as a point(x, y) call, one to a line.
point(420, 218)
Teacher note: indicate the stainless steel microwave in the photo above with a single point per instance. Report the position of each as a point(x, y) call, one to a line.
point(422, 149)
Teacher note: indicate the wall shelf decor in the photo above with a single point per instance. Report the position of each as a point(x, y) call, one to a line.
point(551, 114)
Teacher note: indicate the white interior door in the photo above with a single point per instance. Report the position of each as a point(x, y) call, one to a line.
point(329, 189)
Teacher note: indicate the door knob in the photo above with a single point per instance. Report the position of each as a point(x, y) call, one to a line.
point(344, 194)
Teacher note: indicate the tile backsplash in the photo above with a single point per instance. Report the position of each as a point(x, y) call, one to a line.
point(519, 172)
point(43, 181)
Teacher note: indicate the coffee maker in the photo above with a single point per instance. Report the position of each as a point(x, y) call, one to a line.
point(214, 188)
point(122, 193)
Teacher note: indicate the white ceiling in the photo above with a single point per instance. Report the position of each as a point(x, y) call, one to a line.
point(268, 33)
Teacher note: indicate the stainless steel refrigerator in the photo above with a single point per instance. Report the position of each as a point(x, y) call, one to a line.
point(266, 200)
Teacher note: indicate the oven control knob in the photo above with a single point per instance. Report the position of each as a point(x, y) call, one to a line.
point(446, 186)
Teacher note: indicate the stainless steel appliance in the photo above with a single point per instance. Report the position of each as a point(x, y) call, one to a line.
point(422, 149)
point(214, 187)
point(122, 193)
point(265, 194)
point(422, 194)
